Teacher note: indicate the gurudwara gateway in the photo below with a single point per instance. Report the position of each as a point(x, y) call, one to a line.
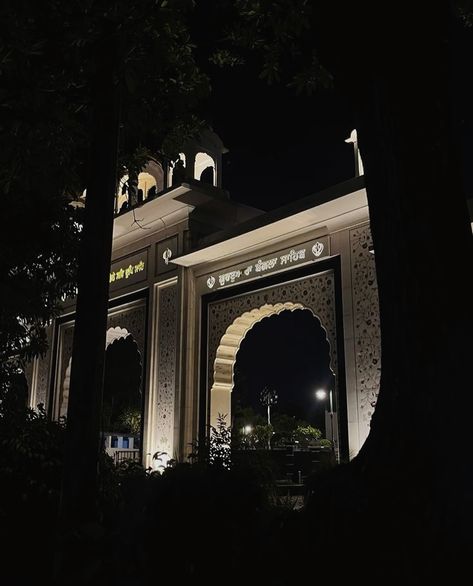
point(192, 273)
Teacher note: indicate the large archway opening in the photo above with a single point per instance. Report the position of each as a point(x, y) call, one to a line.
point(269, 366)
point(287, 353)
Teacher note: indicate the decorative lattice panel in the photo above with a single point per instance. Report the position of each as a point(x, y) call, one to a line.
point(166, 366)
point(316, 292)
point(366, 325)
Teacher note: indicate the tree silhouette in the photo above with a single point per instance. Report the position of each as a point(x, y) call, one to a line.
point(268, 398)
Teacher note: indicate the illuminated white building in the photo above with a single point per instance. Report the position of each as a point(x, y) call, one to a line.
point(193, 272)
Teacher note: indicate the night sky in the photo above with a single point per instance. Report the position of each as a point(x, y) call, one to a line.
point(281, 146)
point(284, 146)
point(289, 353)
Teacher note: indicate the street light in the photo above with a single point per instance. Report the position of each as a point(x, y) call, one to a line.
point(269, 397)
point(321, 395)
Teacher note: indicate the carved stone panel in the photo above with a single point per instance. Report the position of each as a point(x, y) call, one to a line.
point(166, 366)
point(132, 319)
point(316, 292)
point(366, 325)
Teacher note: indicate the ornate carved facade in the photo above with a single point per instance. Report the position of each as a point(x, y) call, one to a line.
point(316, 293)
point(212, 246)
point(366, 321)
point(168, 320)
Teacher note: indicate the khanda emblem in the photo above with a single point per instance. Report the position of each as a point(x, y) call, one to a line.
point(167, 255)
point(318, 248)
point(210, 282)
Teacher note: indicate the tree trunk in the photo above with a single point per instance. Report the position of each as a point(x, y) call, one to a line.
point(411, 487)
point(424, 253)
point(78, 505)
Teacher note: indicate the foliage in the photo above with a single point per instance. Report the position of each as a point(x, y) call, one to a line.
point(464, 10)
point(163, 461)
point(48, 62)
point(284, 428)
point(213, 506)
point(214, 450)
point(220, 442)
point(31, 456)
point(324, 443)
point(130, 420)
point(33, 279)
point(268, 397)
point(245, 416)
point(262, 435)
point(30, 453)
point(281, 34)
point(307, 435)
point(142, 510)
point(42, 153)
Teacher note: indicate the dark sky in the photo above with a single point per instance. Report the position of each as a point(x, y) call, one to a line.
point(283, 146)
point(289, 353)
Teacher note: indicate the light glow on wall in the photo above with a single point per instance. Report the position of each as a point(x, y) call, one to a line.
point(202, 161)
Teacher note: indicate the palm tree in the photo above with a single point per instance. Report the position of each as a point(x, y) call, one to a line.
point(269, 397)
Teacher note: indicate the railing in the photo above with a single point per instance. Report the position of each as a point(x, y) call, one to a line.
point(289, 464)
point(122, 455)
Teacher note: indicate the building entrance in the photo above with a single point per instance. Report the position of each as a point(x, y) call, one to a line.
point(294, 363)
point(278, 414)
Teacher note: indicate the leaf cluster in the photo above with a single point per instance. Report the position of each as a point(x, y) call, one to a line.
point(48, 65)
point(280, 35)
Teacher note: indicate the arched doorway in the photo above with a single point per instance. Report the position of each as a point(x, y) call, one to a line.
point(204, 168)
point(230, 317)
point(230, 343)
point(287, 353)
point(122, 399)
point(282, 348)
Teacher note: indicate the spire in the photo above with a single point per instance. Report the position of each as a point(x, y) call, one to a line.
point(358, 162)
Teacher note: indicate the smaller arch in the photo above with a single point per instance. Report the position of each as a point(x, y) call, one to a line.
point(182, 157)
point(121, 199)
point(204, 163)
point(122, 406)
point(148, 184)
point(146, 181)
point(112, 334)
point(155, 170)
point(115, 334)
point(225, 358)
